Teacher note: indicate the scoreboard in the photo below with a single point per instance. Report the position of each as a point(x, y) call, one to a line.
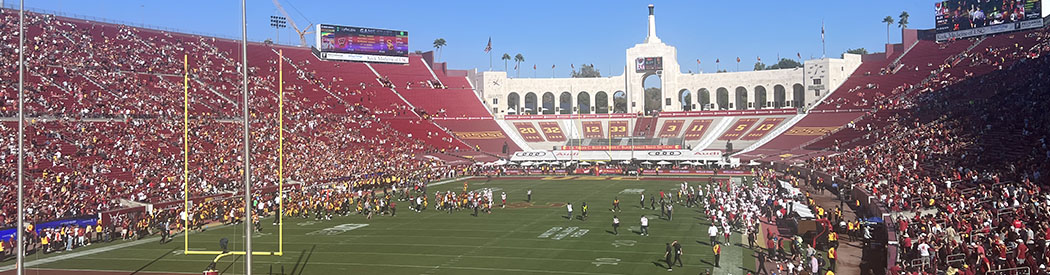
point(648, 64)
point(362, 44)
point(967, 18)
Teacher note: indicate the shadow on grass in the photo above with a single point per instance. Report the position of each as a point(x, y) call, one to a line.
point(300, 264)
point(235, 260)
point(166, 253)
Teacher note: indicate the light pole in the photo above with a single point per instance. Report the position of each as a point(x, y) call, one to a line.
point(20, 234)
point(247, 147)
point(278, 23)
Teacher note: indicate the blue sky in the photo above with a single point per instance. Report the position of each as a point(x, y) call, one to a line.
point(552, 32)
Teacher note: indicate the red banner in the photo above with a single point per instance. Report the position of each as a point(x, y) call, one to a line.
point(607, 171)
point(622, 147)
point(697, 129)
point(618, 128)
point(763, 128)
point(671, 128)
point(592, 129)
point(528, 132)
point(738, 129)
point(552, 131)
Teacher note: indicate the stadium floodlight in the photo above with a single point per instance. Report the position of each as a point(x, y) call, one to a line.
point(278, 23)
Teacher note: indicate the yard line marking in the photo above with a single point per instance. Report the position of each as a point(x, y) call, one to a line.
point(80, 253)
point(37, 270)
point(417, 266)
point(93, 251)
point(606, 261)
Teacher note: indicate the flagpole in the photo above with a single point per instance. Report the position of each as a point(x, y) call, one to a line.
point(490, 60)
point(823, 43)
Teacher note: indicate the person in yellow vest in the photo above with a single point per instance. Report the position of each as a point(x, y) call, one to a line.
point(45, 243)
point(718, 252)
point(832, 256)
point(829, 273)
point(833, 239)
point(98, 233)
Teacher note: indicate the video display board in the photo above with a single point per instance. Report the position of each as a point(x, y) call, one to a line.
point(362, 44)
point(644, 64)
point(966, 18)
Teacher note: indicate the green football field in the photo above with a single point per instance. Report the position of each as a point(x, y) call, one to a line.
point(529, 238)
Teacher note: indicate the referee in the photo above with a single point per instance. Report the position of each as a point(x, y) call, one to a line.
point(667, 256)
point(677, 253)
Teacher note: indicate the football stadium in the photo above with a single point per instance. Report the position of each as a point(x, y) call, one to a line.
point(285, 145)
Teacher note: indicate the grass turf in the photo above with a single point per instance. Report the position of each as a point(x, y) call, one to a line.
point(508, 241)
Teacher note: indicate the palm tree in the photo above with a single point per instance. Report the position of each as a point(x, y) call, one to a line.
point(517, 60)
point(889, 21)
point(438, 44)
point(903, 22)
point(505, 58)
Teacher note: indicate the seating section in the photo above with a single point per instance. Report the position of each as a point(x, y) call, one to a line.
point(446, 102)
point(874, 95)
point(105, 121)
point(483, 134)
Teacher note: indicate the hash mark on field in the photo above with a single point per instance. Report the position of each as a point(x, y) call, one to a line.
point(619, 243)
point(604, 261)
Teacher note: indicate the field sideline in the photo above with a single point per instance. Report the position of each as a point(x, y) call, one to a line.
point(529, 238)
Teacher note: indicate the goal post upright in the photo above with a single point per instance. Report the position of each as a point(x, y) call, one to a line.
point(186, 152)
point(280, 167)
point(280, 151)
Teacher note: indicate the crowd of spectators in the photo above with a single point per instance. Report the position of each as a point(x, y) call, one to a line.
point(104, 124)
point(963, 166)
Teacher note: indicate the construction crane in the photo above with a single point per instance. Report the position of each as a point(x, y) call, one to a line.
point(302, 32)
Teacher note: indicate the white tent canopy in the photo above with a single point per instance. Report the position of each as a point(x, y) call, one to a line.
point(663, 162)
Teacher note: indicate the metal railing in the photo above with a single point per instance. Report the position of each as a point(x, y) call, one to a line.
point(1024, 270)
